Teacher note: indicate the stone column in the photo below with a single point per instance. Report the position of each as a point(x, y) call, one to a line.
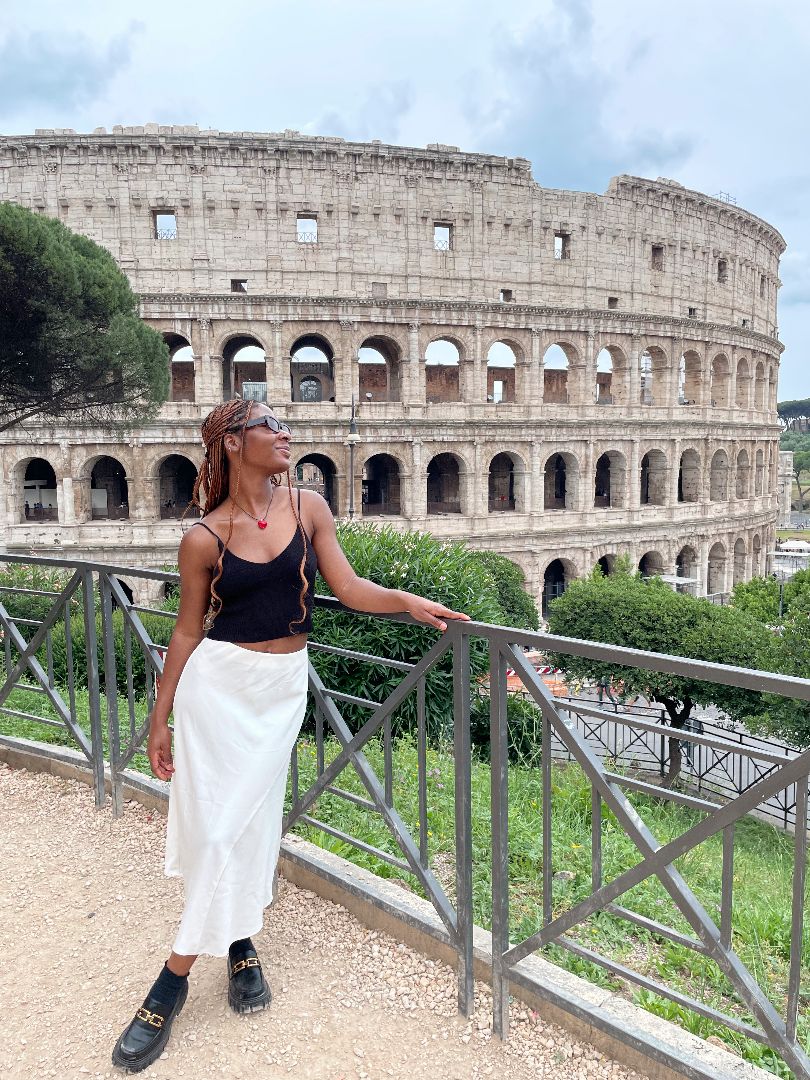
point(537, 371)
point(634, 375)
point(731, 451)
point(144, 498)
point(588, 388)
point(417, 495)
point(477, 375)
point(675, 470)
point(587, 481)
point(277, 370)
point(347, 376)
point(478, 487)
point(413, 390)
point(207, 368)
point(634, 477)
point(68, 508)
point(703, 567)
point(537, 504)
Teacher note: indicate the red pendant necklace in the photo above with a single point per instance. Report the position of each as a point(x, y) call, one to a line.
point(261, 523)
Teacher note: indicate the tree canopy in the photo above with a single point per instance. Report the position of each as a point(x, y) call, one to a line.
point(791, 411)
point(623, 609)
point(71, 342)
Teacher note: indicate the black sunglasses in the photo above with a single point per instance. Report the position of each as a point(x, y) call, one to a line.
point(269, 422)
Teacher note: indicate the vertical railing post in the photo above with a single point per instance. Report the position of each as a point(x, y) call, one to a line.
point(463, 808)
point(499, 777)
point(94, 701)
point(111, 693)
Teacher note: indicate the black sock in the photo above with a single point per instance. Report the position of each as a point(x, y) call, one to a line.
point(167, 986)
point(241, 945)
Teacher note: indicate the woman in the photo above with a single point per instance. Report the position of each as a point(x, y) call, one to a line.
point(247, 576)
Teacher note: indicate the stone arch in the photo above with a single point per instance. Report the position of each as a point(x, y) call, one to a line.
point(653, 478)
point(651, 564)
point(557, 576)
point(380, 369)
point(721, 381)
point(686, 566)
point(502, 361)
point(606, 563)
point(444, 484)
point(743, 481)
point(742, 384)
point(652, 365)
point(35, 487)
point(244, 361)
point(740, 555)
point(716, 570)
point(381, 485)
point(442, 370)
point(690, 378)
point(718, 477)
point(181, 367)
point(759, 472)
point(557, 360)
point(505, 482)
point(689, 479)
point(318, 472)
point(756, 556)
point(312, 376)
point(611, 376)
point(104, 491)
point(759, 386)
point(610, 480)
point(176, 477)
point(560, 481)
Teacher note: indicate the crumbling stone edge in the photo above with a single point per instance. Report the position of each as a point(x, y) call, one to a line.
point(637, 1039)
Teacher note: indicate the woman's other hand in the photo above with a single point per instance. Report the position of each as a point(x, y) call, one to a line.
point(159, 750)
point(431, 613)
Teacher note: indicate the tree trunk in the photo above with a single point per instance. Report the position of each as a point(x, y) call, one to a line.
point(678, 712)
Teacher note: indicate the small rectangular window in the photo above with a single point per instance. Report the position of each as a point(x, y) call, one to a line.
point(692, 312)
point(164, 224)
point(507, 296)
point(306, 229)
point(744, 324)
point(762, 286)
point(657, 257)
point(613, 302)
point(379, 289)
point(442, 236)
point(238, 284)
point(722, 271)
point(562, 245)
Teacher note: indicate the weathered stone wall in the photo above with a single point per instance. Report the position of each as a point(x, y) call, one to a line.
point(677, 288)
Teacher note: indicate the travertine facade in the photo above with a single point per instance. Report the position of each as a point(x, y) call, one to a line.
point(313, 270)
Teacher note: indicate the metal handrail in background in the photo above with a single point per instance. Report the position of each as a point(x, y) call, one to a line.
point(95, 591)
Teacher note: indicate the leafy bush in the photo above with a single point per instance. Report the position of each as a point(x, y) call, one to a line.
point(518, 607)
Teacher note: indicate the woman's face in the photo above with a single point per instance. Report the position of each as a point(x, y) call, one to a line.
point(263, 448)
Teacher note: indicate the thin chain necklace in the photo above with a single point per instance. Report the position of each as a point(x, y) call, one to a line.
point(261, 522)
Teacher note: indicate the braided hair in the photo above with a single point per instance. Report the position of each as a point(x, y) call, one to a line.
point(212, 485)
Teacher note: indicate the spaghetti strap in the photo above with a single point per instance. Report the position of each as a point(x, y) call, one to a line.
point(299, 502)
point(211, 531)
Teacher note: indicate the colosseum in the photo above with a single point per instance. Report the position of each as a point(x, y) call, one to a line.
point(559, 376)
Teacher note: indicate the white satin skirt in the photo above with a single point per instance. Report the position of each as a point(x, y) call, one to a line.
point(237, 714)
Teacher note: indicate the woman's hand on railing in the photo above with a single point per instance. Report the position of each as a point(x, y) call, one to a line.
point(431, 613)
point(159, 749)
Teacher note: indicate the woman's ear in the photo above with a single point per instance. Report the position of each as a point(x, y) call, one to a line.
point(231, 443)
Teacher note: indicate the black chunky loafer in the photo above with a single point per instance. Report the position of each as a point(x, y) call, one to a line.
point(247, 987)
point(144, 1040)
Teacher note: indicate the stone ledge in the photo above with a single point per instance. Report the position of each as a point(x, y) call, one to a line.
point(637, 1039)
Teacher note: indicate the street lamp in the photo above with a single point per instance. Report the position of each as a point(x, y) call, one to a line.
point(352, 439)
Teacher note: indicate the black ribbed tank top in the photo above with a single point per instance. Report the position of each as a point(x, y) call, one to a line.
point(262, 601)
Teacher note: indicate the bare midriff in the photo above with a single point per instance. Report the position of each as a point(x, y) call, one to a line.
point(276, 645)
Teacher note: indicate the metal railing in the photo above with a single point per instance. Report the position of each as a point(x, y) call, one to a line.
point(115, 637)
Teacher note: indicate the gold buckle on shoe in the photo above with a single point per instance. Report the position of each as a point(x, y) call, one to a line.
point(155, 1019)
point(249, 962)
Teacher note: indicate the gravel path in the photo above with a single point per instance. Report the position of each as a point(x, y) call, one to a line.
point(87, 918)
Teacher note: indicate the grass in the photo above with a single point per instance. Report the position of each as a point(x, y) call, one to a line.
point(762, 872)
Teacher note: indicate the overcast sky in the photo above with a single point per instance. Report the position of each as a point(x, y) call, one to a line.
point(712, 93)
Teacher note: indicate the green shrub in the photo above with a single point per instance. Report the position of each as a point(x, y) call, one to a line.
point(518, 607)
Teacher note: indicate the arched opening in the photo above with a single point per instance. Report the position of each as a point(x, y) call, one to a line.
point(501, 483)
point(743, 484)
point(181, 361)
point(555, 580)
point(176, 478)
point(653, 478)
point(716, 575)
point(109, 493)
point(606, 564)
point(718, 477)
point(756, 556)
point(651, 564)
point(380, 369)
point(720, 381)
point(689, 477)
point(742, 387)
point(318, 472)
point(739, 561)
point(126, 590)
point(444, 485)
point(501, 366)
point(759, 387)
point(442, 362)
point(686, 567)
point(556, 361)
point(311, 370)
point(381, 485)
point(652, 368)
point(689, 379)
point(39, 502)
point(611, 372)
point(610, 480)
point(558, 482)
point(244, 369)
point(759, 473)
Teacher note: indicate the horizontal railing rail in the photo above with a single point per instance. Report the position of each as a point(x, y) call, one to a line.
point(83, 649)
